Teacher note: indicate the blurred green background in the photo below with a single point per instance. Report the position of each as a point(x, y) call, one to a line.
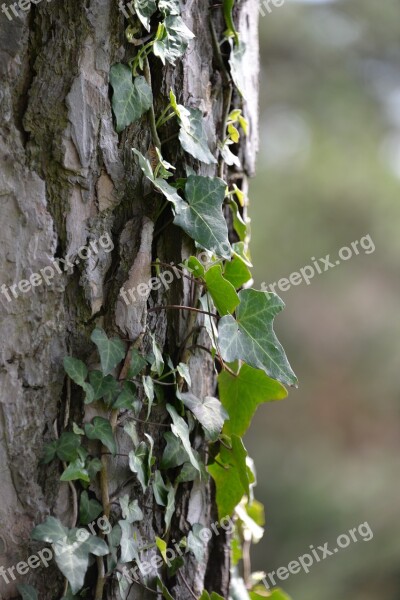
point(328, 457)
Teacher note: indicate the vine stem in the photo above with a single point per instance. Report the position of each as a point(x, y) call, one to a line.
point(152, 116)
point(179, 307)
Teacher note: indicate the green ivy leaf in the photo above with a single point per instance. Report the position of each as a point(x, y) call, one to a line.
point(89, 508)
point(137, 363)
point(251, 338)
point(127, 397)
point(242, 394)
point(129, 545)
point(50, 531)
point(231, 31)
point(238, 224)
point(194, 266)
point(214, 596)
point(237, 63)
point(169, 7)
point(164, 590)
point(237, 272)
point(103, 386)
point(158, 364)
point(174, 453)
point(111, 351)
point(209, 412)
point(75, 369)
point(72, 557)
point(68, 446)
point(160, 184)
point(192, 134)
point(170, 508)
point(148, 387)
point(76, 470)
point(49, 452)
point(181, 430)
point(172, 39)
point(145, 9)
point(131, 98)
point(93, 467)
point(232, 478)
point(160, 490)
point(195, 544)
point(201, 217)
point(221, 290)
point(189, 473)
point(139, 463)
point(27, 591)
point(100, 429)
point(130, 510)
point(184, 372)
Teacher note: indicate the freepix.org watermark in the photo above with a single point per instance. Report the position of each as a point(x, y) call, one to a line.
point(44, 557)
point(306, 561)
point(17, 8)
point(321, 265)
point(47, 274)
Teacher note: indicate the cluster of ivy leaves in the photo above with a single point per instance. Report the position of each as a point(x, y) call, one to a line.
point(240, 326)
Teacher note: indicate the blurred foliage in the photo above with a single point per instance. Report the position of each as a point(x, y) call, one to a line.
point(328, 174)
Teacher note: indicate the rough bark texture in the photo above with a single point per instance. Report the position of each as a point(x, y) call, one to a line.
point(66, 179)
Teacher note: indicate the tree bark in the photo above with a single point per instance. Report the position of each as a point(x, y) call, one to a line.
point(67, 179)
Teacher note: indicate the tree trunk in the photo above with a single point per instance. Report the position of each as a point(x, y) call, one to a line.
point(67, 179)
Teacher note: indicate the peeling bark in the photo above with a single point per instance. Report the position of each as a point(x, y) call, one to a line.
point(66, 180)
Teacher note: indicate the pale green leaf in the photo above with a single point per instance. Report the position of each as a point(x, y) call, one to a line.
point(174, 453)
point(139, 464)
point(129, 545)
point(242, 394)
point(50, 531)
point(137, 363)
point(131, 98)
point(145, 9)
point(192, 134)
point(130, 509)
point(184, 372)
point(75, 369)
point(221, 290)
point(76, 470)
point(237, 63)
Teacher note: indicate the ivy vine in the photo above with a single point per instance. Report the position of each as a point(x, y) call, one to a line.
point(128, 385)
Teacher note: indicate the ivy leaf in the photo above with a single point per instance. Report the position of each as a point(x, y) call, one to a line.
point(172, 39)
point(75, 369)
point(169, 7)
point(201, 217)
point(139, 464)
point(181, 430)
point(145, 9)
point(164, 590)
point(160, 184)
point(170, 509)
point(130, 510)
point(174, 453)
point(221, 290)
point(137, 363)
point(214, 596)
point(131, 98)
point(76, 470)
point(111, 351)
point(184, 372)
point(194, 266)
point(251, 338)
point(192, 134)
point(189, 473)
point(195, 544)
point(232, 478)
point(50, 531)
point(238, 224)
point(103, 386)
point(148, 387)
point(160, 490)
point(49, 452)
point(67, 446)
point(89, 508)
point(127, 397)
point(209, 412)
point(228, 156)
point(242, 394)
point(93, 467)
point(72, 557)
point(158, 365)
point(237, 272)
point(27, 591)
point(129, 546)
point(237, 63)
point(100, 429)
